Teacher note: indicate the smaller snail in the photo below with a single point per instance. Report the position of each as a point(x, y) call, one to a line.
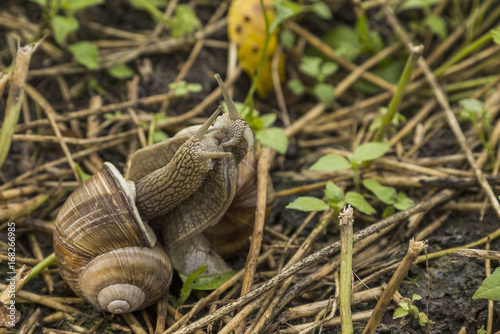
point(212, 222)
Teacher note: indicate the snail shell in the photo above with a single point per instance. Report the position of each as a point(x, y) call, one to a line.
point(106, 253)
point(232, 234)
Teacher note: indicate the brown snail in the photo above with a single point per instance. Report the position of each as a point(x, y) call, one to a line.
point(103, 242)
point(182, 228)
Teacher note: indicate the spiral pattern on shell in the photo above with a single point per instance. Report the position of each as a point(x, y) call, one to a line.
point(105, 252)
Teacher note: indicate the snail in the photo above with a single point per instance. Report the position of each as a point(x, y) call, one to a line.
point(104, 245)
point(191, 231)
point(105, 250)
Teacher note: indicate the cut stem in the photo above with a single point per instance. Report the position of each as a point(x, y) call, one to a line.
point(411, 256)
point(346, 222)
point(15, 99)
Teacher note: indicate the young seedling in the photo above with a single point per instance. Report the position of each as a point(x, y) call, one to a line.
point(407, 308)
point(363, 153)
point(476, 112)
point(319, 70)
point(336, 198)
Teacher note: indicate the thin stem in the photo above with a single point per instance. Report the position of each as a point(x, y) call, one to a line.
point(415, 53)
point(473, 46)
point(41, 266)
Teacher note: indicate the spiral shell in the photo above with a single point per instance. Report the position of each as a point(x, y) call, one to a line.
point(232, 234)
point(105, 252)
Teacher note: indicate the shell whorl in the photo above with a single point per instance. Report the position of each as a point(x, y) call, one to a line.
point(126, 279)
point(98, 222)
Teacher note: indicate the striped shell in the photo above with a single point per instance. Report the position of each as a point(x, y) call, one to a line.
point(105, 252)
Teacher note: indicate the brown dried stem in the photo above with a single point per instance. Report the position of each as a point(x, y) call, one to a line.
point(414, 250)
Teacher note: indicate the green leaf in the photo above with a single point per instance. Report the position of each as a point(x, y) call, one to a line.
point(185, 22)
point(274, 138)
point(85, 53)
point(343, 40)
point(385, 194)
point(418, 4)
point(75, 5)
point(333, 193)
point(307, 203)
point(284, 10)
point(187, 287)
point(322, 10)
point(83, 176)
point(182, 88)
point(416, 296)
point(404, 305)
point(310, 66)
point(325, 93)
point(121, 71)
point(155, 3)
point(471, 108)
point(495, 34)
point(490, 288)
point(268, 120)
point(399, 313)
point(287, 39)
point(296, 86)
point(328, 68)
point(482, 330)
point(369, 39)
point(403, 202)
point(422, 319)
point(388, 211)
point(370, 151)
point(437, 24)
point(331, 163)
point(359, 202)
point(151, 6)
point(62, 26)
point(159, 136)
point(210, 282)
point(194, 88)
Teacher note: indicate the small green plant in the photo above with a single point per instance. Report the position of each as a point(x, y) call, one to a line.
point(389, 196)
point(182, 88)
point(183, 23)
point(406, 308)
point(337, 198)
point(319, 70)
point(436, 23)
point(377, 121)
point(195, 282)
point(482, 330)
point(476, 112)
point(84, 52)
point(363, 153)
point(490, 288)
point(155, 135)
point(187, 287)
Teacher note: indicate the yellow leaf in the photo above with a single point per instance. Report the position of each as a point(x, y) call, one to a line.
point(247, 28)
